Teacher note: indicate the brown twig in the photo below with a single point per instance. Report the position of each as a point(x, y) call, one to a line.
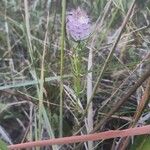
point(120, 102)
point(84, 138)
point(143, 102)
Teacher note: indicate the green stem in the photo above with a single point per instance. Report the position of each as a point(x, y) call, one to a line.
point(77, 70)
point(61, 67)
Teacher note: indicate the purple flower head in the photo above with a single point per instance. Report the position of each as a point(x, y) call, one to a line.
point(78, 24)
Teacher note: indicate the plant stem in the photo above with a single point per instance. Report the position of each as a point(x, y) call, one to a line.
point(62, 66)
point(77, 71)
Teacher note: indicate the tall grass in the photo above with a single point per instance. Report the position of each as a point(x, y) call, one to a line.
point(37, 58)
point(62, 66)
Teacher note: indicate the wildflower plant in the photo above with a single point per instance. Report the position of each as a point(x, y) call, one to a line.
point(78, 24)
point(78, 27)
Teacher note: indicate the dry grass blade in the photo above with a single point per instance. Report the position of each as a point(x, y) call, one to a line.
point(89, 94)
point(145, 98)
point(62, 67)
point(120, 102)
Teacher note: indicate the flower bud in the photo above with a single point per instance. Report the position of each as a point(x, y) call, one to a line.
point(78, 24)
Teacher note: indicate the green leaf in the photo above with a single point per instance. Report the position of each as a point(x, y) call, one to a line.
point(3, 145)
point(141, 143)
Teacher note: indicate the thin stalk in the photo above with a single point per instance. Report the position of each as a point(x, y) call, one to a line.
point(42, 112)
point(29, 41)
point(29, 45)
point(62, 66)
point(41, 107)
point(89, 93)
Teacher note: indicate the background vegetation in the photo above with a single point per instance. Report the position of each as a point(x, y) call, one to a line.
point(39, 81)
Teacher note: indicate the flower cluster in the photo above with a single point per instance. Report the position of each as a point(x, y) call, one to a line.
point(78, 24)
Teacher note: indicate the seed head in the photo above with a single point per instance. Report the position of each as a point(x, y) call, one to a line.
point(78, 24)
